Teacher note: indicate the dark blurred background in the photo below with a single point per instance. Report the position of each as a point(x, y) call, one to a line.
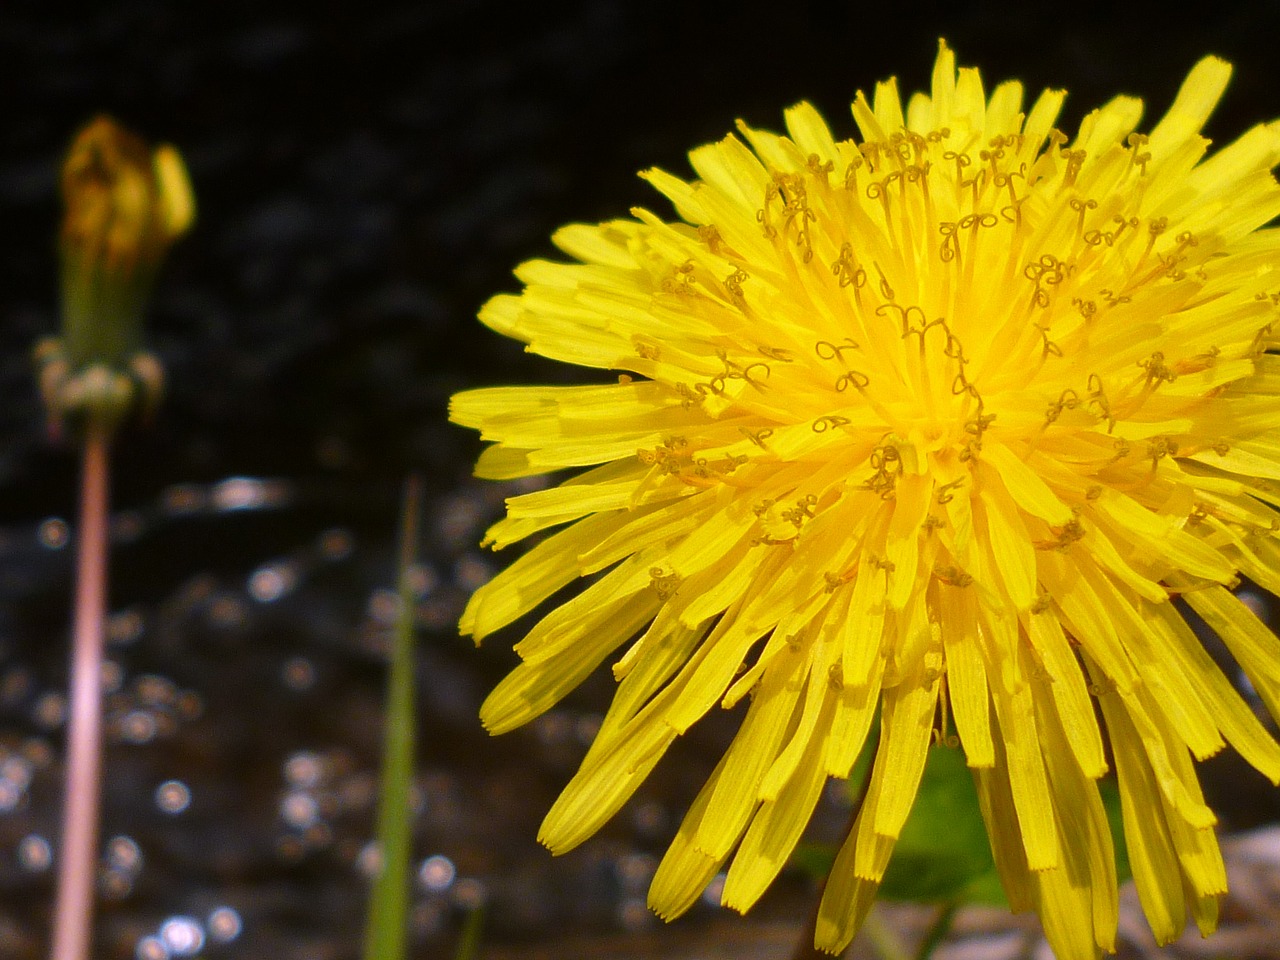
point(367, 174)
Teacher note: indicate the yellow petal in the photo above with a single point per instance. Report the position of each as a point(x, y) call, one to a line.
point(1025, 486)
point(1196, 99)
point(1028, 781)
point(907, 726)
point(531, 579)
point(532, 688)
point(597, 792)
point(1007, 539)
point(966, 675)
point(735, 792)
point(1090, 868)
point(1151, 854)
point(998, 812)
point(685, 869)
point(1069, 690)
point(847, 897)
point(1254, 646)
point(778, 824)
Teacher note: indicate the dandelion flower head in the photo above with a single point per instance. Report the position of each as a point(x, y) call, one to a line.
point(936, 423)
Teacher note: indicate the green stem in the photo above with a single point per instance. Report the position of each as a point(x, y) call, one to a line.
point(469, 938)
point(937, 931)
point(385, 935)
point(77, 868)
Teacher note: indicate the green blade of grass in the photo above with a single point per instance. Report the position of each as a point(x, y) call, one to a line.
point(386, 932)
point(469, 937)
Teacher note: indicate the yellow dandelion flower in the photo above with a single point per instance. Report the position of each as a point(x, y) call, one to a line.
point(946, 416)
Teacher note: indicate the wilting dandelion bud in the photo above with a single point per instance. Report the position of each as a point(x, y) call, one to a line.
point(125, 204)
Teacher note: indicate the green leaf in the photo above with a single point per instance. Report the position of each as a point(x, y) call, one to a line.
point(469, 938)
point(1110, 792)
point(385, 934)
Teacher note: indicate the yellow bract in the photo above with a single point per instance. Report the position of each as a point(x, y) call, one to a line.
point(951, 411)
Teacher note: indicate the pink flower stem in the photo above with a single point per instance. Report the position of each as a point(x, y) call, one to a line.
point(77, 869)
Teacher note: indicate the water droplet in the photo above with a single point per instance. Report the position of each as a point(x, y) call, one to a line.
point(127, 526)
point(422, 580)
point(173, 796)
point(384, 606)
point(586, 727)
point(553, 728)
point(1245, 685)
point(182, 498)
point(38, 751)
point(138, 727)
point(357, 792)
point(1256, 603)
point(290, 848)
point(336, 544)
point(190, 705)
point(16, 770)
point(470, 893)
point(16, 685)
point(333, 452)
point(224, 924)
point(50, 710)
point(460, 517)
point(633, 914)
point(298, 674)
point(436, 873)
point(112, 676)
point(115, 884)
point(650, 818)
point(34, 853)
point(239, 493)
point(439, 613)
point(472, 572)
point(304, 768)
point(151, 948)
point(272, 581)
point(123, 853)
point(318, 835)
point(635, 870)
point(417, 800)
point(184, 936)
point(53, 533)
point(10, 796)
point(299, 809)
point(125, 627)
point(429, 916)
point(369, 860)
point(155, 690)
point(227, 611)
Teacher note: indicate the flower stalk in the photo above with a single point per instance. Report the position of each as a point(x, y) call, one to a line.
point(125, 204)
point(77, 870)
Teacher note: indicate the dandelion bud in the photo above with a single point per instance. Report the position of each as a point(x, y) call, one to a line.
point(125, 204)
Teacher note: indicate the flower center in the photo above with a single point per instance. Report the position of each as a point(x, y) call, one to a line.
point(946, 285)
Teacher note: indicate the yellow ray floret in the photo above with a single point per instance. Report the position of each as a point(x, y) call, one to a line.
point(938, 420)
